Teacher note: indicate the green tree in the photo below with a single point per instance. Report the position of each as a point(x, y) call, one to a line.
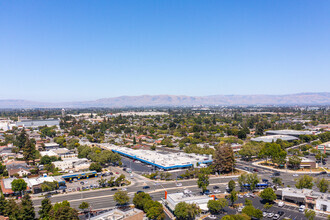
point(294, 162)
point(3, 171)
point(323, 185)
point(231, 185)
point(268, 194)
point(3, 204)
point(29, 151)
point(233, 197)
point(224, 160)
point(46, 206)
point(277, 181)
point(83, 206)
point(120, 179)
point(121, 197)
point(21, 139)
point(18, 185)
point(252, 179)
point(203, 181)
point(310, 214)
point(242, 180)
point(216, 206)
point(134, 140)
point(140, 199)
point(305, 181)
point(267, 206)
point(257, 214)
point(156, 212)
point(27, 209)
point(250, 150)
point(95, 166)
point(248, 210)
point(184, 211)
point(12, 210)
point(63, 211)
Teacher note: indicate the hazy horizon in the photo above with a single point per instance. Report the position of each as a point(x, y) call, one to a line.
point(59, 51)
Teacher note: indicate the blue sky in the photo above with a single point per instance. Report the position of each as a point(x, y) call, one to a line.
point(84, 50)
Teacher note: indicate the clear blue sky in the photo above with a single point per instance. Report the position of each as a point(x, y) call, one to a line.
point(84, 50)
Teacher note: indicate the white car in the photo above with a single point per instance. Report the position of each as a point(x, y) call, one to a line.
point(240, 196)
point(124, 189)
point(270, 215)
point(264, 214)
point(247, 195)
point(187, 191)
point(295, 175)
point(302, 208)
point(212, 217)
point(276, 216)
point(217, 191)
point(178, 184)
point(240, 208)
point(281, 204)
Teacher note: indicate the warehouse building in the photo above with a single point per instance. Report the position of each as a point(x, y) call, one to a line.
point(161, 160)
point(294, 133)
point(274, 138)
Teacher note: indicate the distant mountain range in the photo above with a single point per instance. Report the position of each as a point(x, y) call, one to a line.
point(173, 100)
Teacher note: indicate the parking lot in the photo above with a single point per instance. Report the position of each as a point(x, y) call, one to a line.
point(87, 184)
point(288, 211)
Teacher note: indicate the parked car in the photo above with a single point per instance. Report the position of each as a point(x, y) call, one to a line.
point(281, 204)
point(212, 217)
point(252, 195)
point(264, 214)
point(178, 184)
point(240, 208)
point(302, 208)
point(240, 196)
point(215, 187)
point(217, 191)
point(295, 175)
point(146, 187)
point(280, 213)
point(270, 215)
point(276, 216)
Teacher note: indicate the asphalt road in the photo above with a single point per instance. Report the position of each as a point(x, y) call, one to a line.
point(103, 198)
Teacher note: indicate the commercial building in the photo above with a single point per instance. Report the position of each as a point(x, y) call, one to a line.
point(121, 214)
point(294, 133)
point(274, 138)
point(162, 160)
point(33, 184)
point(37, 123)
point(324, 148)
point(72, 163)
point(313, 200)
point(171, 200)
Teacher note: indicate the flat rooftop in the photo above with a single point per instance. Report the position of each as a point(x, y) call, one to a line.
point(288, 132)
point(160, 159)
point(271, 138)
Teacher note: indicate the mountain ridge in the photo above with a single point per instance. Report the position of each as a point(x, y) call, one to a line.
point(321, 98)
